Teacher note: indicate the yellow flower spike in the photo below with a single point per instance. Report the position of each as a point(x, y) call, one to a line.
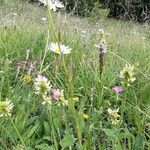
point(27, 78)
point(85, 116)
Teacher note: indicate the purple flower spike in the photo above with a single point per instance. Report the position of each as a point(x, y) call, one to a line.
point(117, 89)
point(55, 94)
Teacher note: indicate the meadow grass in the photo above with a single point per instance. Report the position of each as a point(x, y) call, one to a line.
point(85, 124)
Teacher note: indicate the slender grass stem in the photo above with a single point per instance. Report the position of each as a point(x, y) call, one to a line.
point(18, 133)
point(45, 52)
point(52, 128)
point(128, 63)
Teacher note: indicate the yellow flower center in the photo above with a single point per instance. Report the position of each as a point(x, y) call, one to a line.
point(58, 51)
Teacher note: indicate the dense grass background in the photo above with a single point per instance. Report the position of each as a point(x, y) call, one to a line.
point(64, 128)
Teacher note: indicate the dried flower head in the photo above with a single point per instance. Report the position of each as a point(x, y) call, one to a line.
point(25, 66)
point(127, 74)
point(5, 108)
point(114, 116)
point(42, 85)
point(59, 49)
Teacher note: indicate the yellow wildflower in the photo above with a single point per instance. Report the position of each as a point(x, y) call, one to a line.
point(27, 78)
point(75, 99)
point(85, 116)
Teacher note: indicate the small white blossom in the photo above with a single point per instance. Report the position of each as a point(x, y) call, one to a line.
point(43, 19)
point(42, 85)
point(59, 49)
point(15, 14)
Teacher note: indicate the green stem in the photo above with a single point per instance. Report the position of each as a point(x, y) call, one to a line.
point(18, 133)
point(44, 53)
point(52, 128)
point(79, 136)
point(51, 22)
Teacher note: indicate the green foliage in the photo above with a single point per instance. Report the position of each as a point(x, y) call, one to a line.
point(138, 10)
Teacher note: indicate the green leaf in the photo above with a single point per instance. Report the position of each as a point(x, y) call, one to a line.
point(30, 132)
point(47, 128)
point(68, 141)
point(110, 133)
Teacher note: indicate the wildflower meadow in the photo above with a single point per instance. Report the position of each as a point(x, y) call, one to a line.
point(72, 83)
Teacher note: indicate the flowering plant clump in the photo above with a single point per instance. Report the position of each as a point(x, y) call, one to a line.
point(6, 108)
point(42, 85)
point(128, 74)
point(114, 116)
point(43, 88)
point(59, 49)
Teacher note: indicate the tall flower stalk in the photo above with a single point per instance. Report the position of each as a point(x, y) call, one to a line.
point(102, 47)
point(57, 35)
point(102, 51)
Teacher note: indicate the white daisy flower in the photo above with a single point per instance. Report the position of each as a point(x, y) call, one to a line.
point(59, 49)
point(42, 85)
point(53, 4)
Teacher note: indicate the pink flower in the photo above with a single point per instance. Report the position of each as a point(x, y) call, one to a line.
point(55, 94)
point(117, 89)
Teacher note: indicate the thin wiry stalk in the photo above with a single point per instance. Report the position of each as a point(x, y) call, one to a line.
point(18, 133)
